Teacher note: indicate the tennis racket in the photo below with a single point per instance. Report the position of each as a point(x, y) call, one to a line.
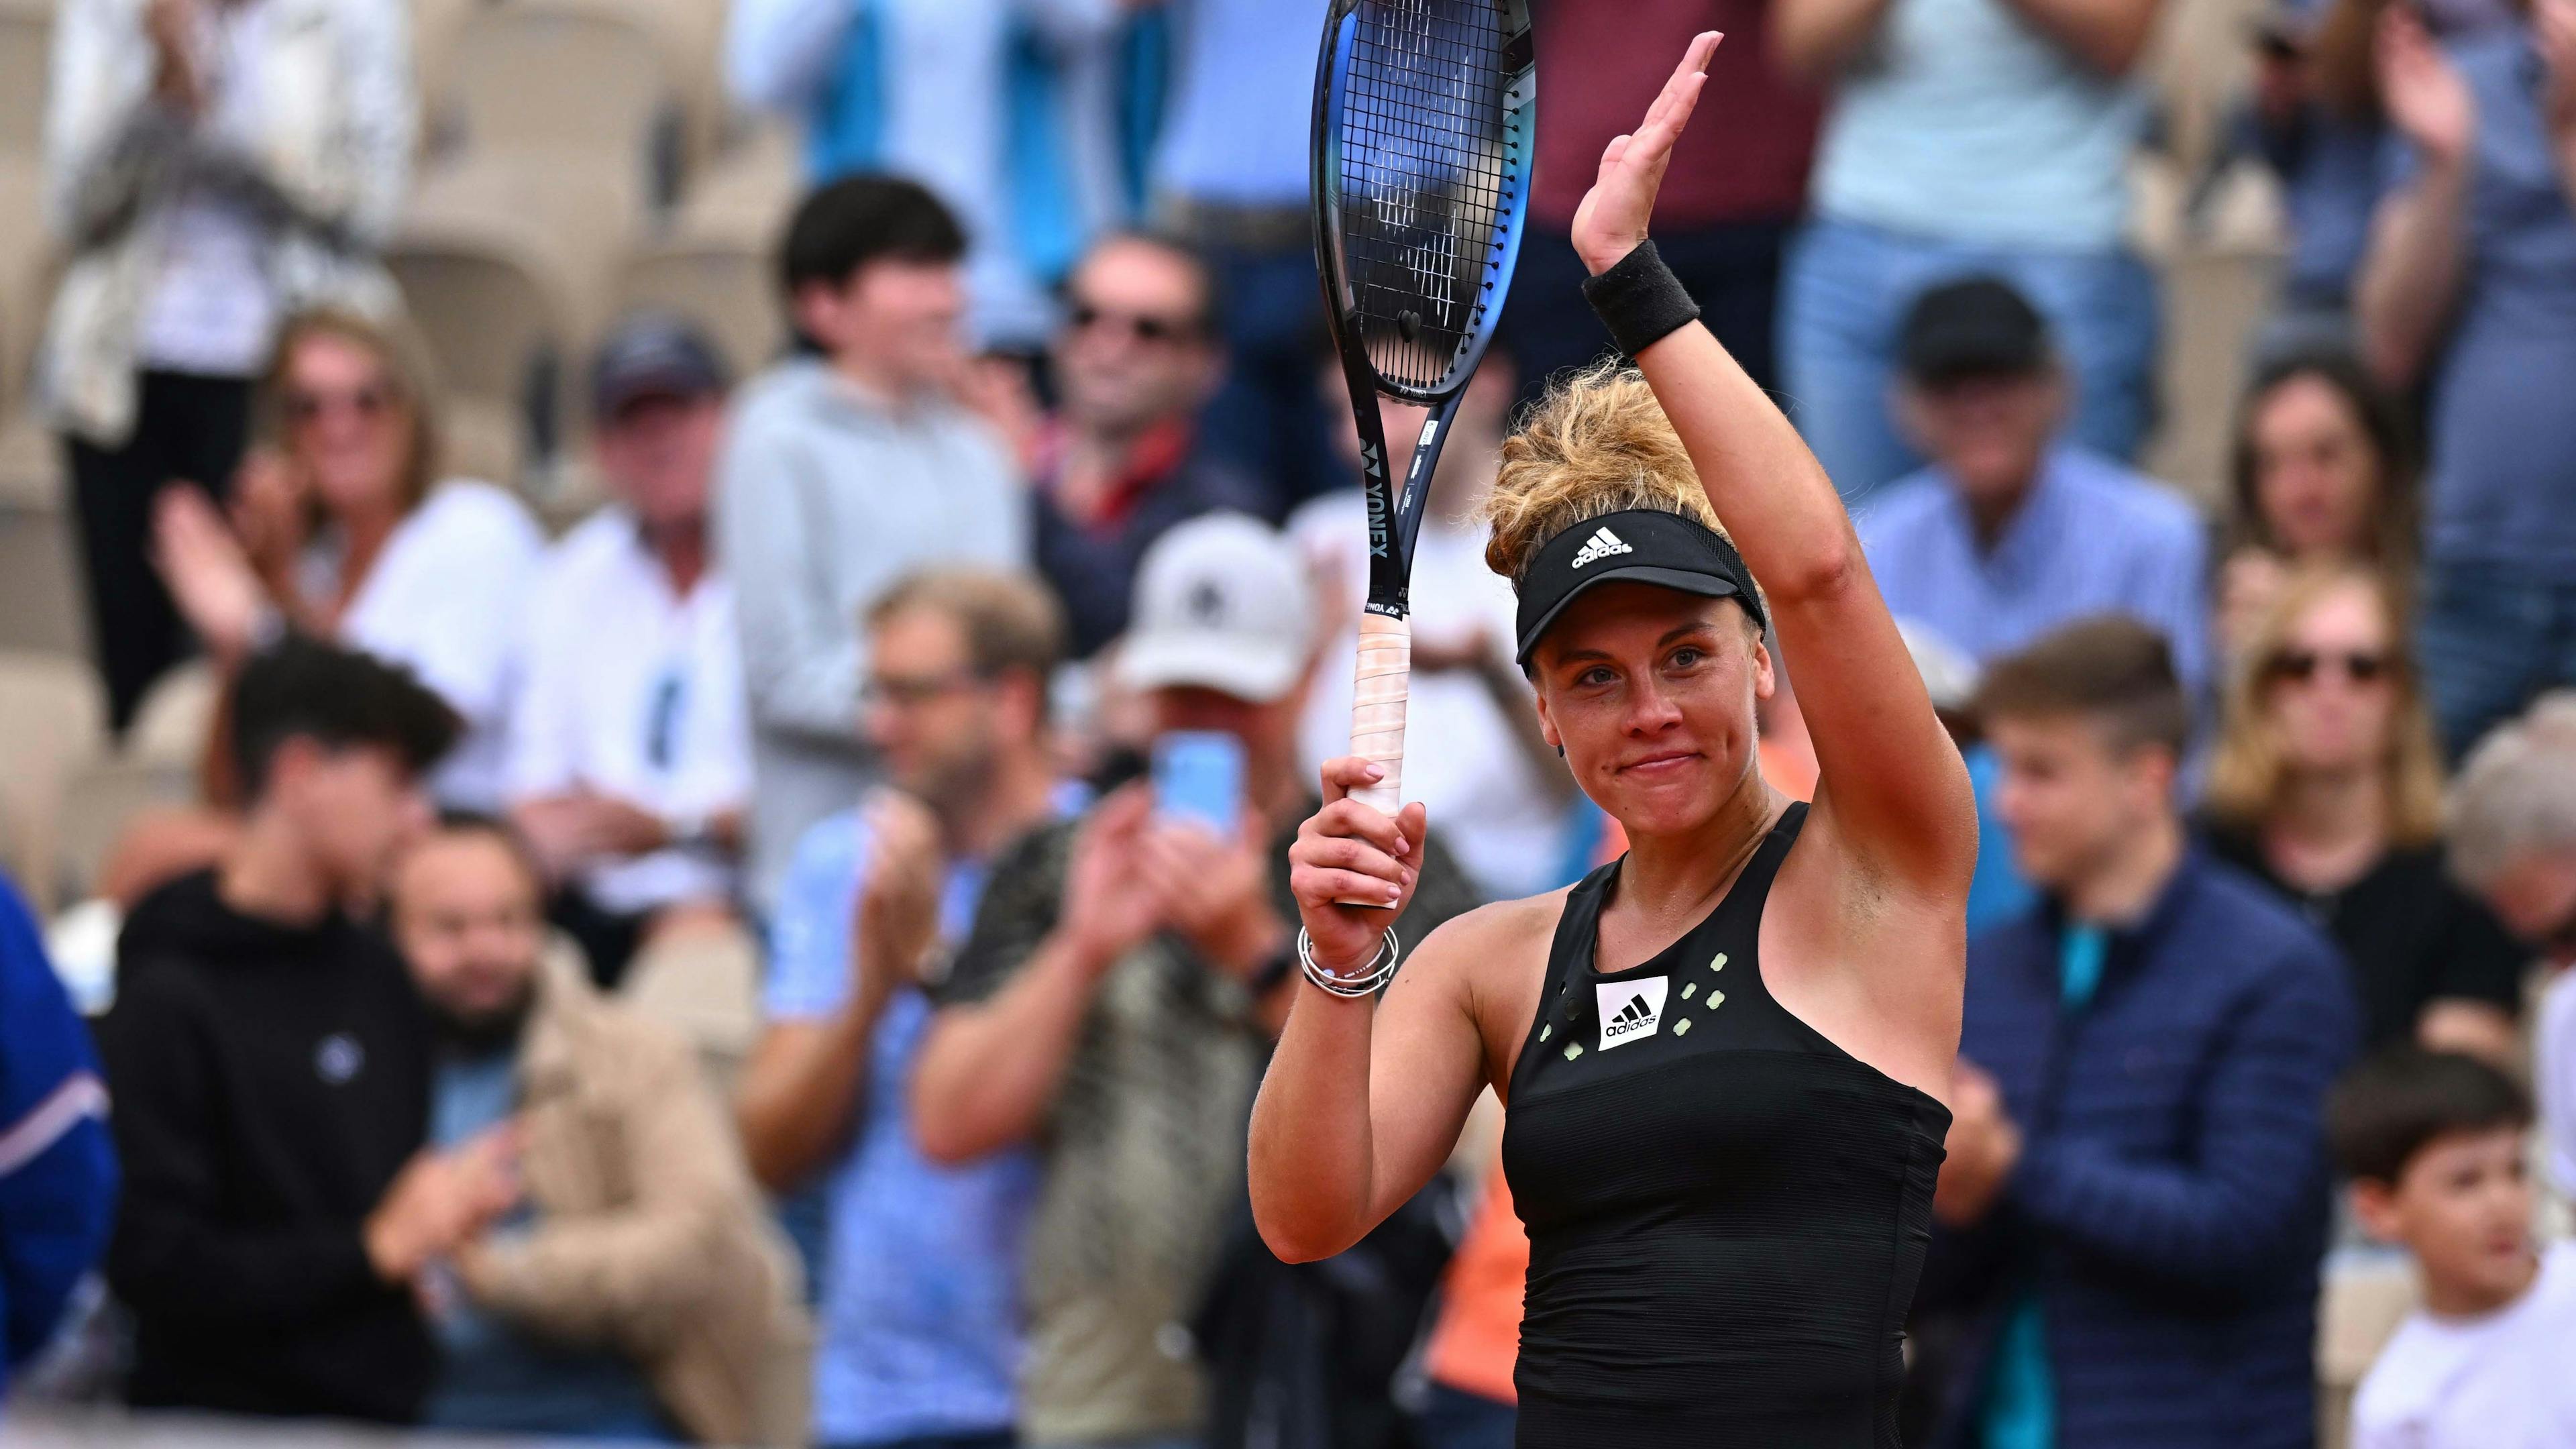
point(1424, 135)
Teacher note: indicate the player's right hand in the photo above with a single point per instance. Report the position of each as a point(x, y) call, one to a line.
point(1349, 851)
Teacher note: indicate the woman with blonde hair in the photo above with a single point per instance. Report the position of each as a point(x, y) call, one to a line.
point(340, 528)
point(1723, 1054)
point(2327, 785)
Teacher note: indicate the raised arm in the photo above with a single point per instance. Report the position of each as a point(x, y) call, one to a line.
point(1365, 1096)
point(1893, 791)
point(991, 1065)
point(2418, 253)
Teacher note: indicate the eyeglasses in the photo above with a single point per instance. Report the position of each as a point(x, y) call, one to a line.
point(891, 691)
point(369, 403)
point(2361, 666)
point(1139, 326)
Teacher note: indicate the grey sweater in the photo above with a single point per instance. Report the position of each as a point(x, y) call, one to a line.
point(826, 496)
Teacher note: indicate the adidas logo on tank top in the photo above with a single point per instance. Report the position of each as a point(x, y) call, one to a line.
point(1604, 543)
point(1630, 1010)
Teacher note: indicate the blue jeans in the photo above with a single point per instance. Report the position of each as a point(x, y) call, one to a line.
point(2492, 636)
point(1456, 1419)
point(1846, 293)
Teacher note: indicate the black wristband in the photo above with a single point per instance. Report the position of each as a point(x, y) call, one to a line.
point(1640, 300)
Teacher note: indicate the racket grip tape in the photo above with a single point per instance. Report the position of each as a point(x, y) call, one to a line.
point(1377, 706)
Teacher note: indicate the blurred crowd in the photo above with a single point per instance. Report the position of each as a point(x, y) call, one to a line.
point(786, 958)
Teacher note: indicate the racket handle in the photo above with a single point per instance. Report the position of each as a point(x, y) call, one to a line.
point(1377, 706)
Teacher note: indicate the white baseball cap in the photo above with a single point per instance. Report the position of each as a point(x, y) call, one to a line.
point(1222, 602)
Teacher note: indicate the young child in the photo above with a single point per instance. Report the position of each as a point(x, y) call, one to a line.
point(2433, 1143)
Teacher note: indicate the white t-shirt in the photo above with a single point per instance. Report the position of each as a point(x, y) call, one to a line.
point(1485, 796)
point(2553, 1070)
point(211, 310)
point(447, 597)
point(635, 692)
point(2504, 1381)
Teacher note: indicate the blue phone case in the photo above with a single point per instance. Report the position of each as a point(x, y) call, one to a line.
point(1198, 777)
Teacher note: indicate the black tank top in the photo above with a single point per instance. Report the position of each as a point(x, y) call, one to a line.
point(1726, 1211)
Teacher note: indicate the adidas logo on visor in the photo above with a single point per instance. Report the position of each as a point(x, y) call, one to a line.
point(1602, 544)
point(1630, 1010)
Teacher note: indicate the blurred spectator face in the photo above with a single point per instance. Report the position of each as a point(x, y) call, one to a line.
point(1989, 430)
point(2071, 795)
point(2330, 684)
point(347, 423)
point(355, 808)
point(2316, 472)
point(658, 452)
point(1135, 348)
point(935, 722)
point(466, 917)
point(895, 317)
point(2535, 897)
point(2463, 1206)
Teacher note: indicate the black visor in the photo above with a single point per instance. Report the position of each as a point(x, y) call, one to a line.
point(1642, 545)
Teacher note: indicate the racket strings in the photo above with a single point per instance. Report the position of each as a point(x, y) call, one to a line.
point(1429, 154)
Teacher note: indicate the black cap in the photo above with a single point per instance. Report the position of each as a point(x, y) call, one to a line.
point(653, 354)
point(1977, 327)
point(1641, 545)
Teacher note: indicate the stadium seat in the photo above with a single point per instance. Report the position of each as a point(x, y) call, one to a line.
point(26, 44)
point(53, 713)
point(559, 79)
point(703, 983)
point(492, 308)
point(40, 588)
point(746, 193)
point(723, 286)
point(102, 802)
point(31, 465)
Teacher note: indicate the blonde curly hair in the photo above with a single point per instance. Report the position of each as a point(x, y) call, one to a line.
point(1598, 443)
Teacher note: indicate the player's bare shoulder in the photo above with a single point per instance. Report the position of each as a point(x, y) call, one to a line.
point(1490, 962)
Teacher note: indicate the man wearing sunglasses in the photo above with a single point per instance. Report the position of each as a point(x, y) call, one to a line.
point(1119, 463)
point(2513, 841)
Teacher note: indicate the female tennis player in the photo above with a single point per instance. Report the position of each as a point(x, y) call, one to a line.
point(1722, 1054)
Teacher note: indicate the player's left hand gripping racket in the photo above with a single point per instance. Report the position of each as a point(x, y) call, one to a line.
point(1424, 135)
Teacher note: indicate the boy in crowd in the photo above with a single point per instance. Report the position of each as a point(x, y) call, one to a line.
point(2434, 1145)
point(846, 467)
point(2135, 1197)
point(270, 1065)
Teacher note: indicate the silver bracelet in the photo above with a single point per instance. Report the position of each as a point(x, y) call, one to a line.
point(1364, 982)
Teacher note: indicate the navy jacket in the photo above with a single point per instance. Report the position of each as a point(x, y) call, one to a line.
point(57, 1171)
point(2171, 1204)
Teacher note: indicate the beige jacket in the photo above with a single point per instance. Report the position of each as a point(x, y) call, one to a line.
point(650, 1236)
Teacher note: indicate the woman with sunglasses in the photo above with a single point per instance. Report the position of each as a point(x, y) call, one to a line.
point(2327, 785)
point(340, 529)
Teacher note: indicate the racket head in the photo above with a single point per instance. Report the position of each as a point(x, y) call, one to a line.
point(1425, 135)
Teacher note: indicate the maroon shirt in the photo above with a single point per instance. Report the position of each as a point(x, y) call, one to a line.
point(1601, 63)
